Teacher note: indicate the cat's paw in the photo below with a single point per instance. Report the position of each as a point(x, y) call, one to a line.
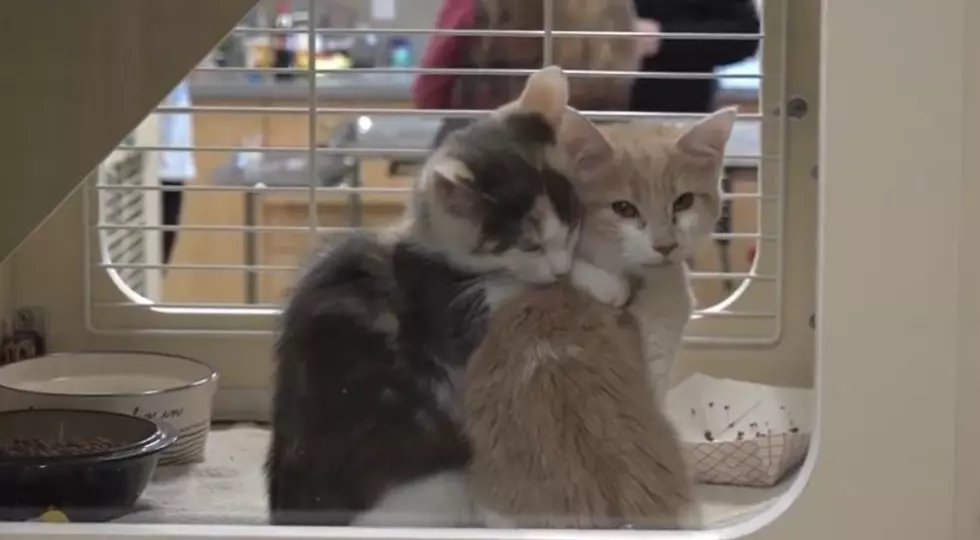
point(605, 287)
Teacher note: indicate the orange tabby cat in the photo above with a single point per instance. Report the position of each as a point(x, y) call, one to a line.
point(560, 405)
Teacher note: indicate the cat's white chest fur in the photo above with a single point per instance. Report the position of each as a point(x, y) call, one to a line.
point(440, 500)
point(662, 308)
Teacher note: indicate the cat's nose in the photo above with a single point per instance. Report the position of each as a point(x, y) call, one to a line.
point(665, 249)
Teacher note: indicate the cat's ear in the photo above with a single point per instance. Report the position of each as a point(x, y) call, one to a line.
point(587, 147)
point(546, 93)
point(707, 138)
point(450, 183)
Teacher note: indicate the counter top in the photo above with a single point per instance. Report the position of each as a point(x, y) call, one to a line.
point(408, 137)
point(212, 85)
point(359, 86)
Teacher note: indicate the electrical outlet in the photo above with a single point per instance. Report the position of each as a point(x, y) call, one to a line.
point(31, 319)
point(26, 338)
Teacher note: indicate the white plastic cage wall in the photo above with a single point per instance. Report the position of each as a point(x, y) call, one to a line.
point(138, 248)
point(344, 139)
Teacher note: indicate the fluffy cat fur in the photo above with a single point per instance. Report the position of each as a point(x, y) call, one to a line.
point(560, 403)
point(377, 331)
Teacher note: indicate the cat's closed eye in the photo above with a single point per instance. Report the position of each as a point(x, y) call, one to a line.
point(625, 209)
point(531, 248)
point(683, 202)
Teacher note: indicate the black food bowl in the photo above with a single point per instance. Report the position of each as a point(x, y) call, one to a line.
point(90, 465)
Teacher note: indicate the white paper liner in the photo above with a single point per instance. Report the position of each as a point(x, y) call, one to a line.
point(741, 433)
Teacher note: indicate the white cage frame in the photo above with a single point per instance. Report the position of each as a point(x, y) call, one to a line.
point(877, 335)
point(140, 249)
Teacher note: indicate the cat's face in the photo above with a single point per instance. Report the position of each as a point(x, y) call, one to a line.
point(506, 216)
point(663, 196)
point(498, 196)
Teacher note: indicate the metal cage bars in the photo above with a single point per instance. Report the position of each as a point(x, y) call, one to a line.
point(98, 226)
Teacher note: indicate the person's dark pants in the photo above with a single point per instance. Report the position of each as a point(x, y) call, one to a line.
point(171, 202)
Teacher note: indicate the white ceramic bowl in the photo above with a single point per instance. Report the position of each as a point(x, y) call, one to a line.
point(160, 387)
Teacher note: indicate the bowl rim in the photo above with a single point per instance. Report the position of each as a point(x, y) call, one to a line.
point(163, 436)
point(210, 377)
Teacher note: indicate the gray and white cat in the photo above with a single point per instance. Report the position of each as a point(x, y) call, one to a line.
point(377, 331)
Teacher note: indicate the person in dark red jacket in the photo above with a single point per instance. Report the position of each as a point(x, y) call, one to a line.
point(669, 55)
point(488, 91)
point(435, 91)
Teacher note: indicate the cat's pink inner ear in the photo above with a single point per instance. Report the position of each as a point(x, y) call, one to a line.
point(588, 147)
point(709, 136)
point(546, 93)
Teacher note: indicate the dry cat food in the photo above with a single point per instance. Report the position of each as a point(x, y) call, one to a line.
point(38, 447)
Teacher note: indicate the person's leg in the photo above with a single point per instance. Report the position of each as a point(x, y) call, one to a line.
point(724, 226)
point(448, 126)
point(171, 202)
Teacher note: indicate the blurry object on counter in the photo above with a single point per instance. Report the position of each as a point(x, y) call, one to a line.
point(258, 55)
point(250, 159)
point(330, 51)
point(230, 52)
point(400, 54)
point(258, 48)
point(333, 61)
point(299, 42)
point(284, 57)
point(364, 53)
point(337, 50)
point(336, 53)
